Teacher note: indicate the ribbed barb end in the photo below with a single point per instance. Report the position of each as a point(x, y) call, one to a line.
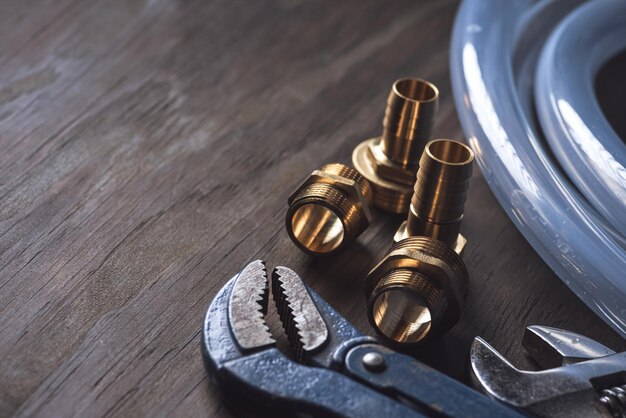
point(329, 210)
point(409, 116)
point(440, 191)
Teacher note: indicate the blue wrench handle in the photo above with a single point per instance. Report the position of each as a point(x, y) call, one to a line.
point(429, 391)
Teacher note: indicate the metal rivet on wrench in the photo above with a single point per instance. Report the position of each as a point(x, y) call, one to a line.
point(374, 362)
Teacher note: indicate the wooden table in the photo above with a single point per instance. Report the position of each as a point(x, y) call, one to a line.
point(148, 149)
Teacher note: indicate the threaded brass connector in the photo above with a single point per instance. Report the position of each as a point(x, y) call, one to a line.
point(416, 292)
point(330, 209)
point(389, 162)
point(440, 191)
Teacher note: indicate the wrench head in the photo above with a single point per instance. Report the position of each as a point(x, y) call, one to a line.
point(584, 369)
point(257, 379)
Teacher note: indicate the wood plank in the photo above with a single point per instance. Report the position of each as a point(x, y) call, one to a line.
point(148, 149)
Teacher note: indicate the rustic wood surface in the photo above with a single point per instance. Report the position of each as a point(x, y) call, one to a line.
point(147, 151)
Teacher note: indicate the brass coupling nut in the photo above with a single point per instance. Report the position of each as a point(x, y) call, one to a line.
point(416, 292)
point(440, 192)
point(330, 209)
point(389, 162)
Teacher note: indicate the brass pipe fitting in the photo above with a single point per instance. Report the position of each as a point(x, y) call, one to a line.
point(329, 209)
point(411, 108)
point(389, 162)
point(440, 191)
point(416, 292)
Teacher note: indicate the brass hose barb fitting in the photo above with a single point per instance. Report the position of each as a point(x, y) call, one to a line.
point(440, 191)
point(329, 209)
point(416, 292)
point(389, 162)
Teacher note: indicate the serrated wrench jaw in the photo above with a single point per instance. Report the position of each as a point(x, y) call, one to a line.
point(303, 323)
point(225, 339)
point(247, 308)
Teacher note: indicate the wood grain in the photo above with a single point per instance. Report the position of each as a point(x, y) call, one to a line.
point(148, 149)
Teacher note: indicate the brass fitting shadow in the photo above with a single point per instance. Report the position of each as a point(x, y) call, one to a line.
point(329, 209)
point(440, 192)
point(389, 162)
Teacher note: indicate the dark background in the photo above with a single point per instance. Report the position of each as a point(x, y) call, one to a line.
point(148, 149)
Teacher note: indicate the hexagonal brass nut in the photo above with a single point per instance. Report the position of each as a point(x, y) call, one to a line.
point(347, 186)
point(403, 233)
point(429, 266)
point(386, 168)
